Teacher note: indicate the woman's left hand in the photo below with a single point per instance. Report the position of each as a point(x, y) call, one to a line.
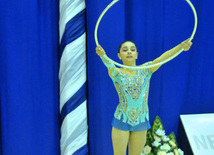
point(186, 45)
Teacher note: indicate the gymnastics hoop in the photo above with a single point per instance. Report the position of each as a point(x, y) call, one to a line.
point(149, 66)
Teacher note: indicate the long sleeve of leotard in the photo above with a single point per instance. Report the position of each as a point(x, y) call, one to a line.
point(111, 67)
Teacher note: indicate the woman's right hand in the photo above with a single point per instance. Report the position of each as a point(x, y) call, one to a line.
point(100, 51)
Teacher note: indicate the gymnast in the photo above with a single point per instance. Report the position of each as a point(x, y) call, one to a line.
point(131, 118)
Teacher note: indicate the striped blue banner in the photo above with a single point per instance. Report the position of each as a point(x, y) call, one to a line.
point(72, 76)
point(73, 30)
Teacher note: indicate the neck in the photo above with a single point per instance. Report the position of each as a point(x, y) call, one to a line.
point(129, 63)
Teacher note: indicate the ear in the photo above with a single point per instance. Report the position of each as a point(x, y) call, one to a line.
point(119, 56)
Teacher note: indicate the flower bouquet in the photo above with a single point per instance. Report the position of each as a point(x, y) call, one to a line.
point(158, 143)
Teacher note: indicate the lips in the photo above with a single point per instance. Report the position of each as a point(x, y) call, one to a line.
point(129, 57)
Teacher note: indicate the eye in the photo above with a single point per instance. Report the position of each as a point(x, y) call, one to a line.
point(133, 49)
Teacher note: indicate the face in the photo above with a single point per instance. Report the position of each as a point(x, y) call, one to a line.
point(128, 52)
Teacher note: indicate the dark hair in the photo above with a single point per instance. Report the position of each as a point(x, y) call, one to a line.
point(123, 43)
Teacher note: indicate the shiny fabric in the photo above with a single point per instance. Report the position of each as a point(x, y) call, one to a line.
point(133, 93)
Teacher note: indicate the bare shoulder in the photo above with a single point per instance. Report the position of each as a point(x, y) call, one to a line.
point(146, 63)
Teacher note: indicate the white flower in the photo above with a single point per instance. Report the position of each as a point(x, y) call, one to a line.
point(147, 149)
point(165, 147)
point(158, 139)
point(156, 144)
point(170, 153)
point(161, 153)
point(180, 152)
point(165, 138)
point(160, 132)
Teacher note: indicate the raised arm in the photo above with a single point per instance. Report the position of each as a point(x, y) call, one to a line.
point(170, 53)
point(112, 70)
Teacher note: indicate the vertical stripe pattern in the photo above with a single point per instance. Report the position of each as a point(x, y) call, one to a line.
point(72, 76)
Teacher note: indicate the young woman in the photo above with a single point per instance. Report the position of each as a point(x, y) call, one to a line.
point(131, 118)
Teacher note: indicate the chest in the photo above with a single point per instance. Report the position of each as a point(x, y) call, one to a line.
point(134, 82)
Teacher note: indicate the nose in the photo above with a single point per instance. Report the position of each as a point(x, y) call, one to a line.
point(129, 51)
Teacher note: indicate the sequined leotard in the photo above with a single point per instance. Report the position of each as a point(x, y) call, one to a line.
point(133, 93)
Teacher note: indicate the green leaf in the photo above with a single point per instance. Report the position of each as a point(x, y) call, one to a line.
point(173, 138)
point(151, 153)
point(149, 138)
point(157, 124)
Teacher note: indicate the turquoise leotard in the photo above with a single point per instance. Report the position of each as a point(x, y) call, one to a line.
point(133, 93)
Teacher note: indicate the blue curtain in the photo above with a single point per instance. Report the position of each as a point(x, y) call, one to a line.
point(182, 86)
point(29, 93)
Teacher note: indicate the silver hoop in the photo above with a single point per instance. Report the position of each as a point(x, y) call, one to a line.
point(149, 66)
